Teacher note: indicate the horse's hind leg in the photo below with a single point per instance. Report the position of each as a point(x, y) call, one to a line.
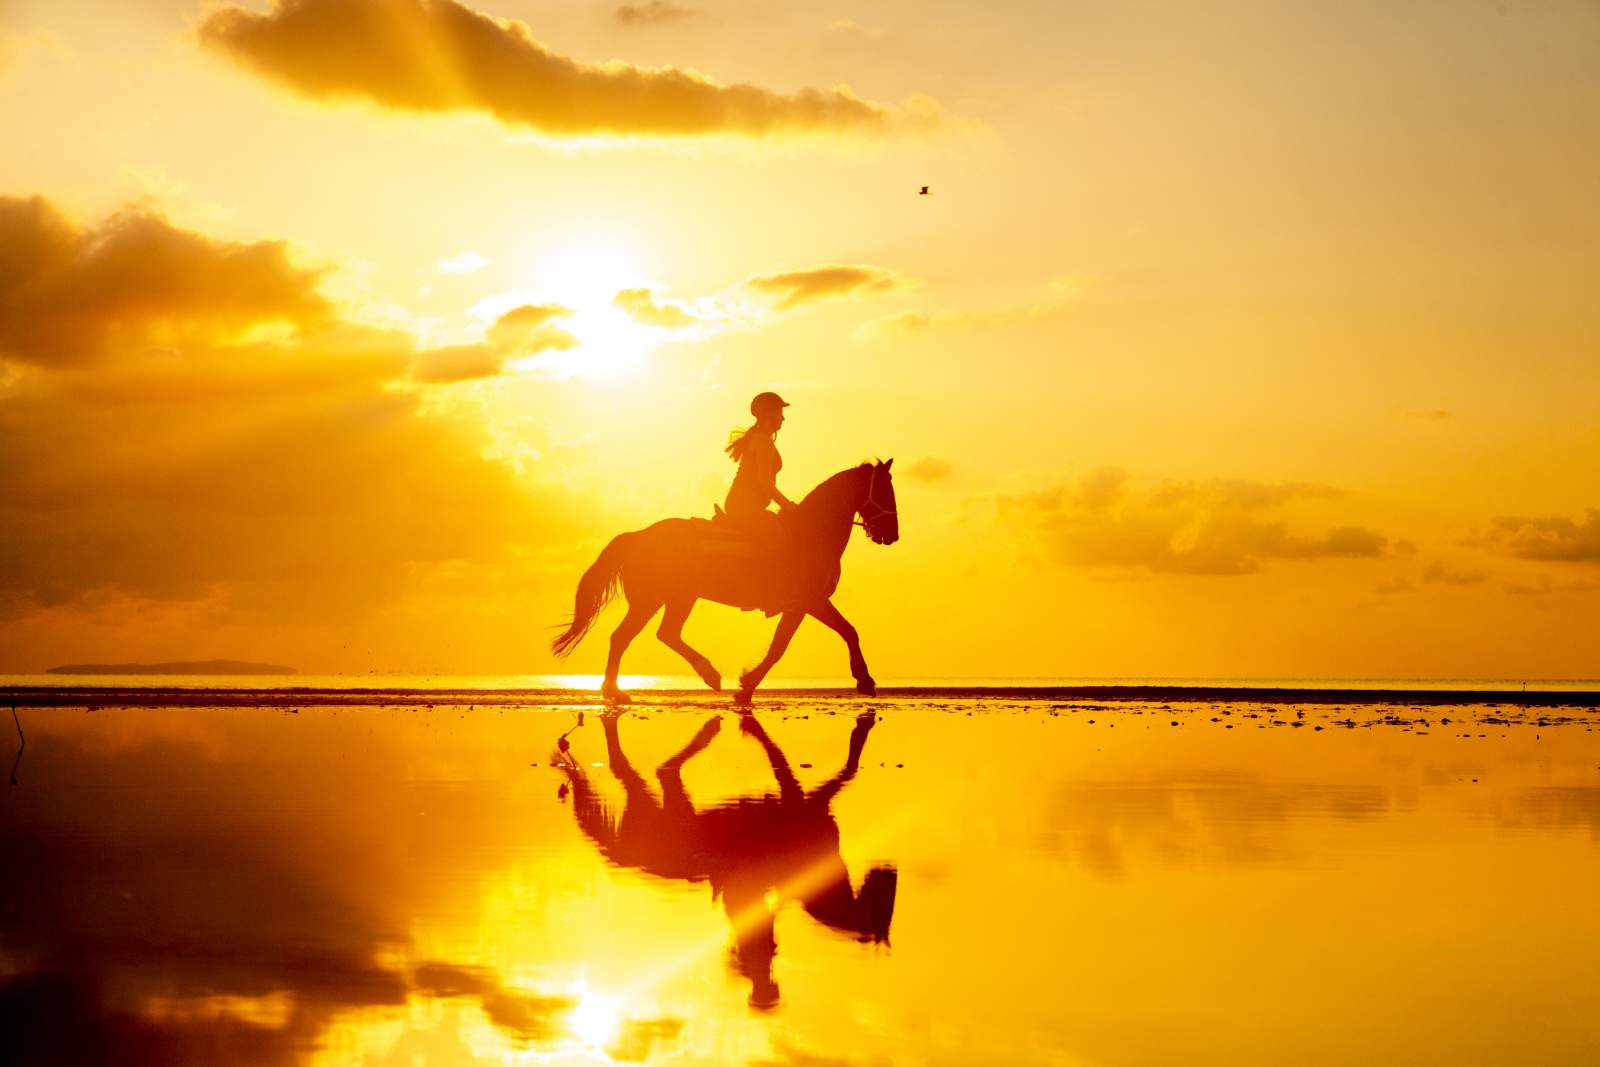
point(639, 613)
point(671, 633)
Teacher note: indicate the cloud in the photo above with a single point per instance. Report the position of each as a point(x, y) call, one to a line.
point(1430, 414)
point(70, 296)
point(797, 288)
point(928, 469)
point(521, 332)
point(1544, 585)
point(439, 56)
point(291, 475)
point(1557, 539)
point(465, 262)
point(852, 28)
point(1060, 294)
point(654, 13)
point(643, 307)
point(1437, 573)
point(1210, 528)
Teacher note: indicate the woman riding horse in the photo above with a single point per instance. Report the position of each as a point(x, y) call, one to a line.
point(756, 484)
point(674, 562)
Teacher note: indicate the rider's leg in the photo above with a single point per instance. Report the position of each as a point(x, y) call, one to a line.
point(787, 625)
point(639, 613)
point(671, 633)
point(830, 617)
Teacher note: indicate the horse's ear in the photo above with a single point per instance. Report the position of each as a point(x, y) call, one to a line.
point(888, 463)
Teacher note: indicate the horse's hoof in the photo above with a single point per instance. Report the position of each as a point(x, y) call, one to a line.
point(711, 678)
point(867, 688)
point(616, 696)
point(742, 698)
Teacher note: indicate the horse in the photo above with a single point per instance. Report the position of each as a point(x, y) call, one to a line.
point(743, 847)
point(675, 562)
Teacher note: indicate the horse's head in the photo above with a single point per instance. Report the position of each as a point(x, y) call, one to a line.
point(879, 516)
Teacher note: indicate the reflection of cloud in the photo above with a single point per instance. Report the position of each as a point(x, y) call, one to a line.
point(1556, 539)
point(214, 923)
point(1195, 820)
point(527, 1017)
point(439, 56)
point(1213, 528)
point(797, 288)
point(654, 13)
point(1554, 807)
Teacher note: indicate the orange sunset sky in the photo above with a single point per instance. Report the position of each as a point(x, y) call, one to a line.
point(1236, 339)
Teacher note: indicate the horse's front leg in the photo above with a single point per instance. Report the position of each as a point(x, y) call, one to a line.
point(829, 616)
point(787, 625)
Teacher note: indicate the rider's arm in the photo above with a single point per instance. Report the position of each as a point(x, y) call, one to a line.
point(783, 501)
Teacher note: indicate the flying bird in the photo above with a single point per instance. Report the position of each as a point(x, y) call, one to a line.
point(924, 191)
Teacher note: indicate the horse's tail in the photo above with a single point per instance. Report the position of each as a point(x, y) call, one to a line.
point(595, 590)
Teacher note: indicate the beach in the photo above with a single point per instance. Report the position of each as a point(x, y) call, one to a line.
point(313, 876)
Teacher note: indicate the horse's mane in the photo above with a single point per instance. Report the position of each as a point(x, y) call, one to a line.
point(829, 485)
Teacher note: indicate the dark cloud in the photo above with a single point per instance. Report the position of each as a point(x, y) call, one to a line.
point(643, 307)
point(71, 296)
point(928, 469)
point(287, 472)
point(1437, 573)
point(1557, 539)
point(654, 13)
point(1544, 585)
point(1212, 528)
point(438, 56)
point(799, 287)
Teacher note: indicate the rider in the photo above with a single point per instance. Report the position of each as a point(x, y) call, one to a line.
point(755, 486)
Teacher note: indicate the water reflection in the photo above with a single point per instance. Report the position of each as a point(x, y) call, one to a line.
point(393, 886)
point(757, 852)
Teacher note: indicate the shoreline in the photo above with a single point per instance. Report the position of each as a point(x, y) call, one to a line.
point(159, 697)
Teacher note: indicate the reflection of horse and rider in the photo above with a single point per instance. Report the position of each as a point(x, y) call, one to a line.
point(788, 843)
point(784, 563)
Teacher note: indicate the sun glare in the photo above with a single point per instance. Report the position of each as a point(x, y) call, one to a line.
point(594, 1019)
point(585, 273)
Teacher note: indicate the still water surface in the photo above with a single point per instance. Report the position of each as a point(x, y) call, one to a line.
point(953, 882)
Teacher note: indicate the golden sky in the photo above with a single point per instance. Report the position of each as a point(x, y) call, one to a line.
point(1252, 341)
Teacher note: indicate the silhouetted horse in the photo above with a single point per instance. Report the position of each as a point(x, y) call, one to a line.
point(678, 561)
point(788, 842)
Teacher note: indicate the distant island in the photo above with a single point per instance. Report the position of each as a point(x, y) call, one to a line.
point(188, 666)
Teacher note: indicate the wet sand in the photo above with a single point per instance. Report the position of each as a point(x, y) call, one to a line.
point(329, 877)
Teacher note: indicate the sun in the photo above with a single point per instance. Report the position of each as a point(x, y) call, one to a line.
point(585, 272)
point(593, 1020)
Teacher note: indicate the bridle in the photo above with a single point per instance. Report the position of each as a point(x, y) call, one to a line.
point(878, 510)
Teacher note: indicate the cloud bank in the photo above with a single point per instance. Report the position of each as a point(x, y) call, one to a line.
point(190, 420)
point(439, 56)
point(1557, 539)
point(1204, 528)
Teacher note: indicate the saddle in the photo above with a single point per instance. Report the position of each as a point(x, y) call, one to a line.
point(757, 550)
